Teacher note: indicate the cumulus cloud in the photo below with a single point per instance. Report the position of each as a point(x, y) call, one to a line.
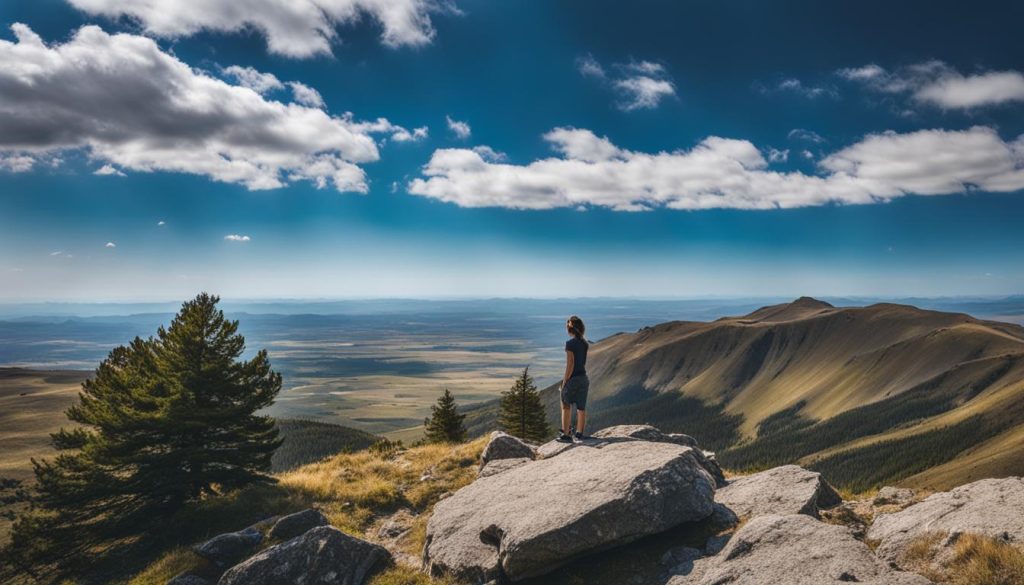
point(110, 245)
point(489, 154)
point(776, 155)
point(237, 238)
point(161, 223)
point(294, 28)
point(725, 173)
point(16, 163)
point(936, 83)
point(640, 85)
point(461, 129)
point(125, 102)
point(255, 80)
point(306, 95)
point(107, 170)
point(416, 135)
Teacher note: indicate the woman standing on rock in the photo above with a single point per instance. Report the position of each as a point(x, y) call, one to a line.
point(575, 383)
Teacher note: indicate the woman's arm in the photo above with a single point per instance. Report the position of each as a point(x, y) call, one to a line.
point(569, 357)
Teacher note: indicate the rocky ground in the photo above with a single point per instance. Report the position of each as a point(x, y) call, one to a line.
point(631, 490)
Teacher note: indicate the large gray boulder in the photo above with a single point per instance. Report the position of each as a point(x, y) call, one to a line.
point(501, 465)
point(991, 507)
point(321, 556)
point(225, 550)
point(535, 517)
point(793, 549)
point(297, 524)
point(643, 433)
point(789, 489)
point(505, 446)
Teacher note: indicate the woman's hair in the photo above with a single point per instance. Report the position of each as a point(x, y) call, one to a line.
point(576, 326)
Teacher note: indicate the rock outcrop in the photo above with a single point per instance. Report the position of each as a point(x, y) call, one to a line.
point(645, 433)
point(642, 433)
point(789, 489)
point(792, 549)
point(893, 496)
point(297, 524)
point(497, 466)
point(322, 556)
point(505, 446)
point(539, 515)
point(225, 550)
point(990, 507)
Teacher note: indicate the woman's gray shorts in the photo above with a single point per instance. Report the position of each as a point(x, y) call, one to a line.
point(575, 391)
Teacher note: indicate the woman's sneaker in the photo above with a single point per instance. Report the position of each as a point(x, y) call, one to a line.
point(564, 438)
point(580, 436)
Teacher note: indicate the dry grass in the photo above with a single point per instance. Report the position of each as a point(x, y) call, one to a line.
point(353, 490)
point(980, 560)
point(398, 575)
point(175, 562)
point(975, 560)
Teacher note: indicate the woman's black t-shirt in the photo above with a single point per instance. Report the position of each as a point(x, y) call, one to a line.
point(578, 347)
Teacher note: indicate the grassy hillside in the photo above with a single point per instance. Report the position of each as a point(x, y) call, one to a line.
point(869, 395)
point(306, 441)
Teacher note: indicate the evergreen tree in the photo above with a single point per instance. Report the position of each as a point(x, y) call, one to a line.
point(522, 413)
point(444, 425)
point(165, 421)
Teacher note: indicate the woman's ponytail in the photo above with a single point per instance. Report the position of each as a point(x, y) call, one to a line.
point(577, 327)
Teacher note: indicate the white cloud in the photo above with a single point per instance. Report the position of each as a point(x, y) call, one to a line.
point(294, 28)
point(725, 173)
point(255, 80)
point(306, 95)
point(640, 85)
point(936, 83)
point(460, 129)
point(489, 154)
point(776, 155)
point(57, 253)
point(110, 245)
point(237, 238)
point(16, 163)
point(161, 223)
point(107, 170)
point(805, 135)
point(125, 102)
point(589, 67)
point(643, 92)
point(793, 85)
point(865, 73)
point(807, 154)
point(417, 134)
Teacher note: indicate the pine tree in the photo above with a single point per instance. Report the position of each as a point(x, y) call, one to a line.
point(522, 413)
point(445, 424)
point(165, 421)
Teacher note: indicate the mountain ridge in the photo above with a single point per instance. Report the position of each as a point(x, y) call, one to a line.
point(817, 384)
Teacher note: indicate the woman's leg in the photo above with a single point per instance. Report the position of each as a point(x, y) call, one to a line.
point(566, 417)
point(581, 420)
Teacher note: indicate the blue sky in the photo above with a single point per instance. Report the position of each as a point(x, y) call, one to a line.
point(647, 149)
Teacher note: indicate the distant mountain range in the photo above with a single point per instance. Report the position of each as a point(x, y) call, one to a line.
point(868, 395)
